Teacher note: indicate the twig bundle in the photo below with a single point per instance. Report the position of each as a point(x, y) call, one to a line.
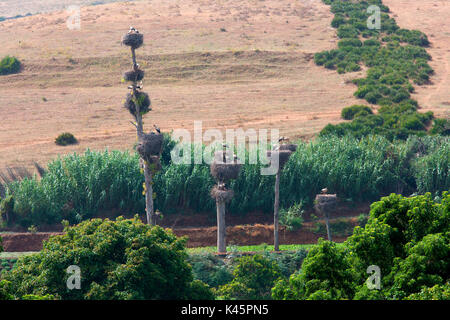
point(134, 40)
point(150, 145)
point(288, 147)
point(222, 194)
point(225, 172)
point(134, 75)
point(325, 202)
point(142, 98)
point(283, 156)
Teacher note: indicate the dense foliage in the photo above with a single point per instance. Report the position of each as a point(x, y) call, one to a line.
point(396, 59)
point(78, 187)
point(407, 238)
point(253, 278)
point(9, 65)
point(122, 259)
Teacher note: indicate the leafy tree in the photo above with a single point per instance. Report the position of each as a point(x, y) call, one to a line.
point(9, 65)
point(122, 259)
point(325, 274)
point(254, 276)
point(427, 265)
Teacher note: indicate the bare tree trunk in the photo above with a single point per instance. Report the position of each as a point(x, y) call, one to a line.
point(147, 171)
point(149, 195)
point(276, 243)
point(327, 223)
point(221, 227)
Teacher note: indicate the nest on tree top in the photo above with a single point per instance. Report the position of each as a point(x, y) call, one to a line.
point(283, 156)
point(134, 40)
point(288, 147)
point(222, 194)
point(142, 99)
point(325, 202)
point(150, 145)
point(134, 75)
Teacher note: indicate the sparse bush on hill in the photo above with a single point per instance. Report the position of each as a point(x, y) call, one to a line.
point(65, 139)
point(9, 65)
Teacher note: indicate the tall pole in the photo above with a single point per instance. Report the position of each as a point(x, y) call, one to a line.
point(276, 243)
point(221, 227)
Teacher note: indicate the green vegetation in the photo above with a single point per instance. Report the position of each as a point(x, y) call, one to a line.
point(9, 65)
point(292, 218)
point(65, 139)
point(253, 278)
point(407, 238)
point(122, 259)
point(396, 59)
point(79, 187)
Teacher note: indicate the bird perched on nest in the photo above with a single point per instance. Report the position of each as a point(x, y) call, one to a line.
point(283, 139)
point(324, 190)
point(132, 29)
point(221, 186)
point(157, 128)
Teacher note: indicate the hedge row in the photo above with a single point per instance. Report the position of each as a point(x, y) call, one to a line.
point(396, 59)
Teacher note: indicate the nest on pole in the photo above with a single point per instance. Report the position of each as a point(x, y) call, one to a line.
point(325, 203)
point(134, 40)
point(142, 99)
point(283, 156)
point(154, 163)
point(150, 145)
point(288, 147)
point(222, 194)
point(134, 75)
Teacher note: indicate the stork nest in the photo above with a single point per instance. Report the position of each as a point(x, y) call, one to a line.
point(288, 147)
point(142, 99)
point(150, 145)
point(283, 156)
point(154, 163)
point(225, 172)
point(325, 202)
point(222, 195)
point(134, 75)
point(134, 40)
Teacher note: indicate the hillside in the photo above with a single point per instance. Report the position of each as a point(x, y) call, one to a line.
point(234, 64)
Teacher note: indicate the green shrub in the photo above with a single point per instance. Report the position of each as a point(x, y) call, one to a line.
point(349, 113)
point(292, 218)
point(65, 139)
point(254, 276)
point(9, 65)
point(122, 259)
point(210, 269)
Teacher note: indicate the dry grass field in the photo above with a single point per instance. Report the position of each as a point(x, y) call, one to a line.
point(229, 63)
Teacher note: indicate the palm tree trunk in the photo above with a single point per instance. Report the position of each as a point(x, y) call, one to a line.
point(327, 223)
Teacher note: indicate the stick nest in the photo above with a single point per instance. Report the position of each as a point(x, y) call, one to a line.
point(134, 40)
point(150, 145)
point(283, 156)
point(288, 147)
point(222, 195)
point(142, 99)
point(134, 75)
point(325, 202)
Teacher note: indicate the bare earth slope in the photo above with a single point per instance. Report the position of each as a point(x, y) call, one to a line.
point(229, 63)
